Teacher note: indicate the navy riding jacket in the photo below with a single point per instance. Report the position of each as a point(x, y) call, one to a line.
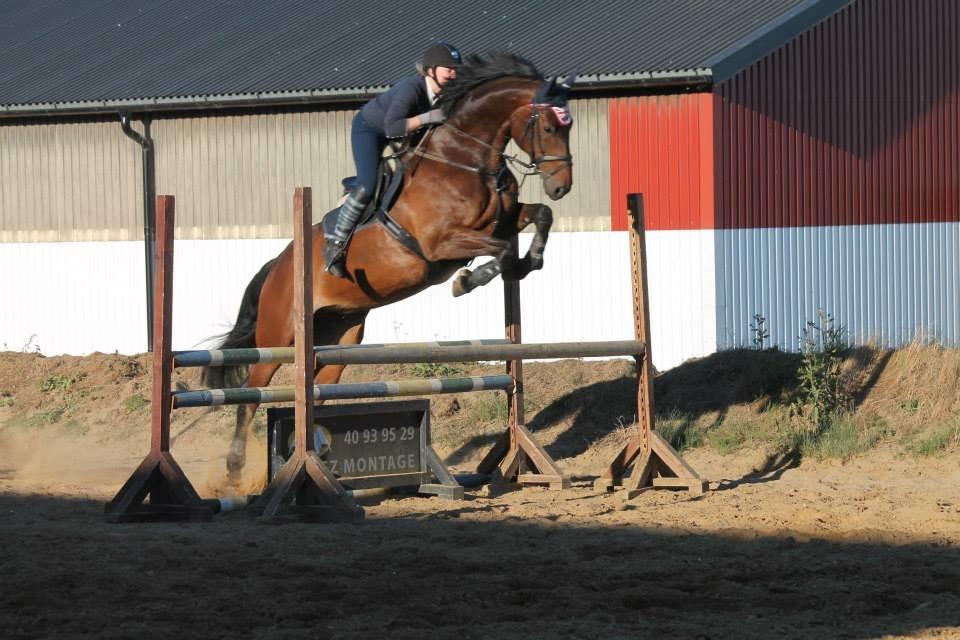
point(407, 98)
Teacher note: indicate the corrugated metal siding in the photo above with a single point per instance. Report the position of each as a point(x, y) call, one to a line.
point(233, 175)
point(889, 283)
point(662, 146)
point(838, 179)
point(854, 122)
point(69, 182)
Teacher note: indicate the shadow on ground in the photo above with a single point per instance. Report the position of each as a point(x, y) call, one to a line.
point(445, 573)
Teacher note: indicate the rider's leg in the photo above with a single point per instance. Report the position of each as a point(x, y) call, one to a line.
point(367, 146)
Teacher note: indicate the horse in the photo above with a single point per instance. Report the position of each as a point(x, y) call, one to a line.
point(458, 201)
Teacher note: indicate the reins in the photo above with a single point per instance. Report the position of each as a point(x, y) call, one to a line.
point(525, 169)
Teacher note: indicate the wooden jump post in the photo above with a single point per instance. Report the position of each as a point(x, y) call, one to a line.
point(305, 486)
point(172, 497)
point(655, 463)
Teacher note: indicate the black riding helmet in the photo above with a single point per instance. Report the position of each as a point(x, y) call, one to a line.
point(441, 54)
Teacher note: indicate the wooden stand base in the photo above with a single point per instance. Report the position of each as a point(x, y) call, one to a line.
point(305, 488)
point(172, 497)
point(446, 485)
point(524, 461)
point(656, 466)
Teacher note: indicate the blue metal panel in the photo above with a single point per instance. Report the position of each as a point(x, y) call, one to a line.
point(890, 283)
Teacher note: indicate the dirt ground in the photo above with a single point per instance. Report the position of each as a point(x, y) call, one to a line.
point(869, 548)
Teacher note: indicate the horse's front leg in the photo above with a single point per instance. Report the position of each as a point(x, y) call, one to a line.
point(542, 218)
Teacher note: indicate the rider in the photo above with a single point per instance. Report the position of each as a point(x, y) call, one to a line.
point(402, 110)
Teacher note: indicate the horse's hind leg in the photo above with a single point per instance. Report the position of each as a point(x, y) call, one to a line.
point(512, 269)
point(259, 376)
point(340, 329)
point(467, 280)
point(332, 330)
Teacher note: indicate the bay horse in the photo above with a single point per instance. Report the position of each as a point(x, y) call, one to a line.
point(459, 201)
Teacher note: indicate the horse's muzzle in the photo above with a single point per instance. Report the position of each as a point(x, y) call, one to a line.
point(557, 190)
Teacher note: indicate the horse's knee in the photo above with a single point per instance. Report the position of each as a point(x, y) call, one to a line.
point(544, 216)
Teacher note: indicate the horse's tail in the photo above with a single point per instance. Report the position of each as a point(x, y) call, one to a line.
point(241, 336)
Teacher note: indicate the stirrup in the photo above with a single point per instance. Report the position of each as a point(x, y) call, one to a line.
point(334, 255)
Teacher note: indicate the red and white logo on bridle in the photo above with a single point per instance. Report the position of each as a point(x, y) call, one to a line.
point(564, 118)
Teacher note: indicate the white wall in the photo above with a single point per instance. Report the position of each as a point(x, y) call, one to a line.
point(82, 297)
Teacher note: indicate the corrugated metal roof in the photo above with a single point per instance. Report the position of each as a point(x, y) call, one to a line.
point(103, 53)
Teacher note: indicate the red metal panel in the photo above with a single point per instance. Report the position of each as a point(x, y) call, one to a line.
point(853, 122)
point(662, 146)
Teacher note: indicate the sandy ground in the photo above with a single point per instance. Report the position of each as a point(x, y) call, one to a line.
point(866, 549)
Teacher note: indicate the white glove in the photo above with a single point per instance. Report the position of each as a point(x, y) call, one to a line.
point(434, 116)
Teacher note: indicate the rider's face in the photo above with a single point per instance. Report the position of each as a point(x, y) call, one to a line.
point(443, 75)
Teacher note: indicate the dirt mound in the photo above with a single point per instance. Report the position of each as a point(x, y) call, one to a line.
point(581, 411)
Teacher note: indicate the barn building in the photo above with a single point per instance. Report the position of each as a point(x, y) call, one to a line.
point(794, 155)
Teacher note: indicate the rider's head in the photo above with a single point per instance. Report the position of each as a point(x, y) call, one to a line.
point(440, 62)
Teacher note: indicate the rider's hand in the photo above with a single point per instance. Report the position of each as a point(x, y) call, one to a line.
point(434, 116)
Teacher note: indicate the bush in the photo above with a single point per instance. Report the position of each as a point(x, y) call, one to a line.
point(820, 392)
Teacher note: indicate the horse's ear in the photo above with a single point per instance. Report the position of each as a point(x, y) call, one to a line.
point(544, 91)
point(567, 83)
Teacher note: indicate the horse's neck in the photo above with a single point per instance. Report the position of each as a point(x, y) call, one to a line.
point(487, 117)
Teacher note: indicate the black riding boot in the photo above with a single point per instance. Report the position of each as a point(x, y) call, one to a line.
point(335, 246)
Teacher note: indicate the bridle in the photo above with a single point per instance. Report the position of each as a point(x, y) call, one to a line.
point(524, 168)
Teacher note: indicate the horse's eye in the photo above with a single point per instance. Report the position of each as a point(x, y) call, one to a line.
point(549, 129)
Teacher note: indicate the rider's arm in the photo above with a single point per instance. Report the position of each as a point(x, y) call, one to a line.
point(400, 118)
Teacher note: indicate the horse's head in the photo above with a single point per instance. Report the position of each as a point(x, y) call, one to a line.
point(542, 130)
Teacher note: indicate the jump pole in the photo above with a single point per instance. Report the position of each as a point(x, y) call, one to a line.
point(655, 464)
point(172, 497)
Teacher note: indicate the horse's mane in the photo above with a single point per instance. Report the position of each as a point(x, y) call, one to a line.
point(480, 68)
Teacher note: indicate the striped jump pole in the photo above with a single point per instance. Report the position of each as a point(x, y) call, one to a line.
point(238, 357)
point(342, 391)
point(458, 351)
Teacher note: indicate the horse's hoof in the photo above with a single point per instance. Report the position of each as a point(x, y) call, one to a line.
point(235, 464)
point(536, 262)
point(236, 459)
point(461, 282)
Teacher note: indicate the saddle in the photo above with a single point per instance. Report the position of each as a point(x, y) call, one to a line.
point(389, 185)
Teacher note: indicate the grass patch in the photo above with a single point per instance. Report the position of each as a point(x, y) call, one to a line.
point(436, 370)
point(55, 382)
point(489, 407)
point(134, 403)
point(938, 439)
point(75, 428)
point(44, 418)
point(680, 430)
point(842, 437)
point(731, 437)
point(910, 406)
